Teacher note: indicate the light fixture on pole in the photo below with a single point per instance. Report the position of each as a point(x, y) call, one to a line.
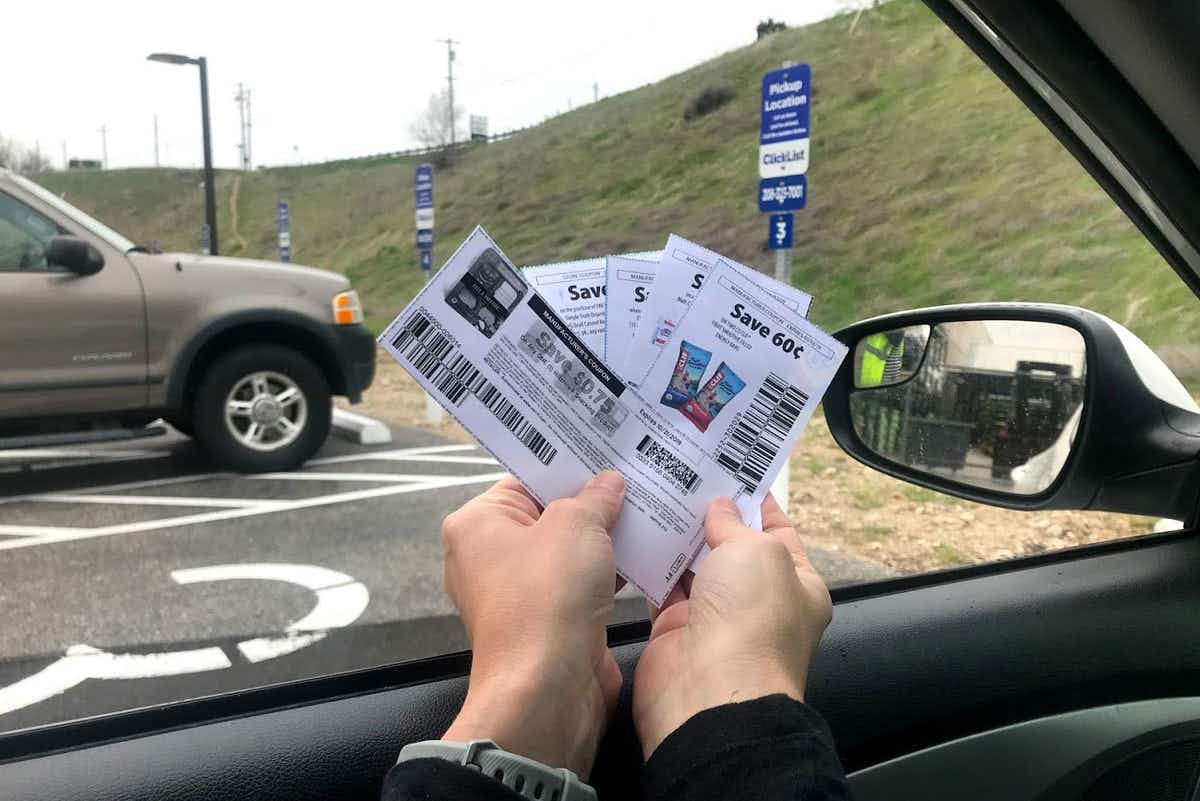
point(210, 196)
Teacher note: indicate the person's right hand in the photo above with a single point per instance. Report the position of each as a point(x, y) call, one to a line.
point(748, 627)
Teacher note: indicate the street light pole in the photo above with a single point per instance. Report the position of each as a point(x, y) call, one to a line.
point(210, 188)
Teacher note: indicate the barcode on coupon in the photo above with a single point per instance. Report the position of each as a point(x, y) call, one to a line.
point(453, 375)
point(668, 464)
point(761, 431)
point(514, 421)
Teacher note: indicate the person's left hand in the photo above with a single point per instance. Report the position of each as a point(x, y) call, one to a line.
point(535, 591)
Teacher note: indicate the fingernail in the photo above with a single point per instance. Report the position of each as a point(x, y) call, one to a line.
point(608, 480)
point(723, 505)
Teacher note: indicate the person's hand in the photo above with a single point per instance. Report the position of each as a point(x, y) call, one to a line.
point(748, 627)
point(535, 591)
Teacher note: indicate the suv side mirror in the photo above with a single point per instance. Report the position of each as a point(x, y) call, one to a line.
point(1020, 405)
point(75, 254)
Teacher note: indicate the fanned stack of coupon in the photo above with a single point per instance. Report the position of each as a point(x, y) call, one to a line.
point(690, 374)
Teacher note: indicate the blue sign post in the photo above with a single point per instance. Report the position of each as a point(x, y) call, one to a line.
point(285, 232)
point(424, 206)
point(783, 134)
point(780, 236)
point(783, 139)
point(205, 240)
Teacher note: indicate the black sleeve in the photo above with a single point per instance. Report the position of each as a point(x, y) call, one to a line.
point(439, 780)
point(769, 749)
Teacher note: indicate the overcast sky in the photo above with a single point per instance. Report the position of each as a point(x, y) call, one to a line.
point(334, 79)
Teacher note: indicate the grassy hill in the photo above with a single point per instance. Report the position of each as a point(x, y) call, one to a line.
point(929, 184)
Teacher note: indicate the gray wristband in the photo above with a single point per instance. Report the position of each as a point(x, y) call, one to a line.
point(527, 777)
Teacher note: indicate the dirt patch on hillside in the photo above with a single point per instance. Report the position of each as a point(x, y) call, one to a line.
point(844, 506)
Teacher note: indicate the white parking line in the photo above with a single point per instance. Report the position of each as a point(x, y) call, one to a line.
point(24, 454)
point(29, 536)
point(151, 500)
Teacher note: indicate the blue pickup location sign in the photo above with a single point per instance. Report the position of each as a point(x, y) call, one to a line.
point(424, 186)
point(780, 236)
point(788, 193)
point(424, 216)
point(783, 132)
point(285, 232)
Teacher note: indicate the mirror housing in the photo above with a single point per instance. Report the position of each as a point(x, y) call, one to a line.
point(1138, 438)
point(75, 254)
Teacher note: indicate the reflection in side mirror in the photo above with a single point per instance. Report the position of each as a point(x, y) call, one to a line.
point(889, 357)
point(75, 254)
point(990, 403)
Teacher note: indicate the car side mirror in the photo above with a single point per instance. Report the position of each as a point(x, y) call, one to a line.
point(1025, 406)
point(75, 254)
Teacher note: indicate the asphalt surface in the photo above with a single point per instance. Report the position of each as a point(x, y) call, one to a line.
point(135, 574)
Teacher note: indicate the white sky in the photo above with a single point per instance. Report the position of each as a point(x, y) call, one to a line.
point(334, 79)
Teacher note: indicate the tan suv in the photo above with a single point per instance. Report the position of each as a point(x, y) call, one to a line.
point(99, 337)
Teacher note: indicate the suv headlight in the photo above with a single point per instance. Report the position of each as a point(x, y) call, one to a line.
point(347, 310)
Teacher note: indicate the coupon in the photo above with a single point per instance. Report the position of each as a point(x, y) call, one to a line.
point(489, 347)
point(682, 271)
point(576, 290)
point(629, 283)
point(742, 374)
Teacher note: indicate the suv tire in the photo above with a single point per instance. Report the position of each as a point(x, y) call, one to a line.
point(262, 408)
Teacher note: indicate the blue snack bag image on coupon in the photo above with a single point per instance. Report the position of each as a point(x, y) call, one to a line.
point(685, 379)
point(720, 388)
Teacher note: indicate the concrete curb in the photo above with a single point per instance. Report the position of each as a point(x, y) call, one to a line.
point(360, 429)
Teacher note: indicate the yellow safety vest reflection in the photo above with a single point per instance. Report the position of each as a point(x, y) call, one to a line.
point(877, 351)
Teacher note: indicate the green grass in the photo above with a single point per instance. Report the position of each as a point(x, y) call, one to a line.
point(922, 495)
point(949, 555)
point(873, 532)
point(867, 498)
point(815, 466)
point(929, 184)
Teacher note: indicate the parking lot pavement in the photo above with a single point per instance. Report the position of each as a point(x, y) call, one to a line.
point(134, 575)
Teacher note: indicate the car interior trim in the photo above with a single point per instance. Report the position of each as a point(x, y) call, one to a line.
point(1023, 760)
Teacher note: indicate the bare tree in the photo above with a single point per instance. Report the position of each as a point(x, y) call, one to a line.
point(432, 127)
point(7, 152)
point(20, 158)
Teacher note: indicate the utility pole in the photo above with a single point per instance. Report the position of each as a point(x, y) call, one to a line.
point(239, 97)
point(450, 43)
point(104, 147)
point(156, 140)
point(249, 158)
point(66, 161)
point(595, 92)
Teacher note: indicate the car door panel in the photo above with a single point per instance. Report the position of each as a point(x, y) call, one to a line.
point(903, 668)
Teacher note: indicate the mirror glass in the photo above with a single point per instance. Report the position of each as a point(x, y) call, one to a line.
point(990, 403)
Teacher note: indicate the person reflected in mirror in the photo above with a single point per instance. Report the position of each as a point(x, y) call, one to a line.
point(718, 695)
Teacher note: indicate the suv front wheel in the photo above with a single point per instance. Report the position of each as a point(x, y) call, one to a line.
point(262, 408)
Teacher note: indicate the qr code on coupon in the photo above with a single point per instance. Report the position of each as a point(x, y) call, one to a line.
point(668, 464)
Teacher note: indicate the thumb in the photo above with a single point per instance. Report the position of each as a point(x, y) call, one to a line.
point(603, 497)
point(723, 522)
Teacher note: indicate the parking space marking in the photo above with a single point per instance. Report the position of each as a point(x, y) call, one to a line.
point(31, 536)
point(25, 454)
point(340, 601)
point(149, 500)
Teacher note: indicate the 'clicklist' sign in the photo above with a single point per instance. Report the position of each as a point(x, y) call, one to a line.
point(784, 135)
